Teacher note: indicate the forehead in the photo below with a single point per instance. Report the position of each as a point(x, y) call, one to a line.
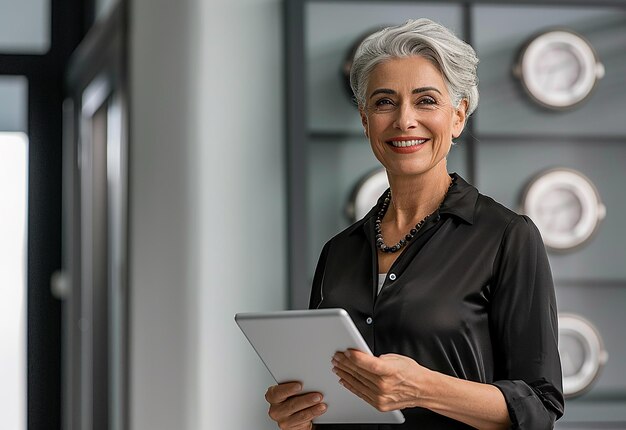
point(406, 73)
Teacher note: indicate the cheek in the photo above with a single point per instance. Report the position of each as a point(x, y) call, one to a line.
point(377, 123)
point(445, 126)
point(377, 146)
point(376, 132)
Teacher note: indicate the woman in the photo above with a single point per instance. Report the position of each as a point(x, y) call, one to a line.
point(451, 290)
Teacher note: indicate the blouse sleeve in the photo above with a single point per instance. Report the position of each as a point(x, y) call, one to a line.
point(523, 322)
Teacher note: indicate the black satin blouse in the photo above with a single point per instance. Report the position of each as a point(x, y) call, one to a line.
point(470, 296)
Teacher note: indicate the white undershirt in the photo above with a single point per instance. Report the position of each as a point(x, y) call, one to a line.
point(381, 281)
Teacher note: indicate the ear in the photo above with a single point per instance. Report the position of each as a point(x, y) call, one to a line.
point(460, 115)
point(364, 121)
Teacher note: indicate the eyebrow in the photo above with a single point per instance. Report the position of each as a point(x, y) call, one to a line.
point(392, 92)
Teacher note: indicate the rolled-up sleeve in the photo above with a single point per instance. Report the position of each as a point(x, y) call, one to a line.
point(523, 324)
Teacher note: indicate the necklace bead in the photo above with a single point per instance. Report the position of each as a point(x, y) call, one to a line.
point(380, 241)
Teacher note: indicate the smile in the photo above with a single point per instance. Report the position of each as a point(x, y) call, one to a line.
point(405, 143)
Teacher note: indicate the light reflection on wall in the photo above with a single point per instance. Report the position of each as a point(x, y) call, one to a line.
point(13, 200)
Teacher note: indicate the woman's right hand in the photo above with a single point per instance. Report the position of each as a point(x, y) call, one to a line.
point(292, 410)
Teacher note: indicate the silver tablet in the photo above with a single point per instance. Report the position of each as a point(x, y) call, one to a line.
point(299, 345)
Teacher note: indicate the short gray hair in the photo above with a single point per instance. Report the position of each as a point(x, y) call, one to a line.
point(454, 58)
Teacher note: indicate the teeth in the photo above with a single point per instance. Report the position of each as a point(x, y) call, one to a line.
point(400, 144)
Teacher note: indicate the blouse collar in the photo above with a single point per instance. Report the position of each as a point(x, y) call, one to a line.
point(460, 202)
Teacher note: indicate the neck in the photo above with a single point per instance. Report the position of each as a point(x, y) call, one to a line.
point(414, 197)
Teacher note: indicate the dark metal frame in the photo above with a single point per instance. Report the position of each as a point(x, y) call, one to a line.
point(45, 96)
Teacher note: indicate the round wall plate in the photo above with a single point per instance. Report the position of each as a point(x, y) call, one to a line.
point(582, 354)
point(565, 206)
point(365, 194)
point(558, 69)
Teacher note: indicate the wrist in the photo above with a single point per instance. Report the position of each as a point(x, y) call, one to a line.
point(427, 388)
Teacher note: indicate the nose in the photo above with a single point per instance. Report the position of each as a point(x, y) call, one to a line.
point(406, 117)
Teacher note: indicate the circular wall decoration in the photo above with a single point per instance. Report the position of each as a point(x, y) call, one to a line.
point(565, 206)
point(366, 193)
point(582, 354)
point(558, 69)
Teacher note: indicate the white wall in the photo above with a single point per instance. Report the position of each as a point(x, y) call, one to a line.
point(208, 205)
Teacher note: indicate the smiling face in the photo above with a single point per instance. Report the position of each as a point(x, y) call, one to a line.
point(409, 117)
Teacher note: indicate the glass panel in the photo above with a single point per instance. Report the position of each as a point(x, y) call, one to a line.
point(13, 102)
point(13, 195)
point(25, 26)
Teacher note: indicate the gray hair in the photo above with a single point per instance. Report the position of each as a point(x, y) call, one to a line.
point(454, 58)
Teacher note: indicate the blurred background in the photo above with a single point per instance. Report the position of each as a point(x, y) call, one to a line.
point(165, 165)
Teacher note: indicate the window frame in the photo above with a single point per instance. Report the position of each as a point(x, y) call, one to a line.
point(45, 76)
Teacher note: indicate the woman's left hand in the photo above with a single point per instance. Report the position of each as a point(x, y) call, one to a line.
point(388, 382)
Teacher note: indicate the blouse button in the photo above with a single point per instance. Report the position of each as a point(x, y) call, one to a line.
point(369, 320)
point(392, 276)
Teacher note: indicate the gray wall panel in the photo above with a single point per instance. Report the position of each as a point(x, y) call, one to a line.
point(504, 168)
point(603, 306)
point(499, 33)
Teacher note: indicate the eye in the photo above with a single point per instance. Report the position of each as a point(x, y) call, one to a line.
point(427, 101)
point(384, 105)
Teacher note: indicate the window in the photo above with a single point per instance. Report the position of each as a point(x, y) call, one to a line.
point(13, 201)
point(25, 26)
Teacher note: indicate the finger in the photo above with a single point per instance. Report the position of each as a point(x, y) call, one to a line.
point(294, 405)
point(346, 367)
point(359, 382)
point(373, 365)
point(281, 392)
point(304, 416)
point(342, 361)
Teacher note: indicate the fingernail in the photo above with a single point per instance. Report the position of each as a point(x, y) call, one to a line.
point(335, 370)
point(321, 407)
point(317, 399)
point(347, 353)
point(334, 362)
point(298, 388)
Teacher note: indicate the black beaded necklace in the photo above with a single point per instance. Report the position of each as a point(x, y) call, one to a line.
point(380, 242)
